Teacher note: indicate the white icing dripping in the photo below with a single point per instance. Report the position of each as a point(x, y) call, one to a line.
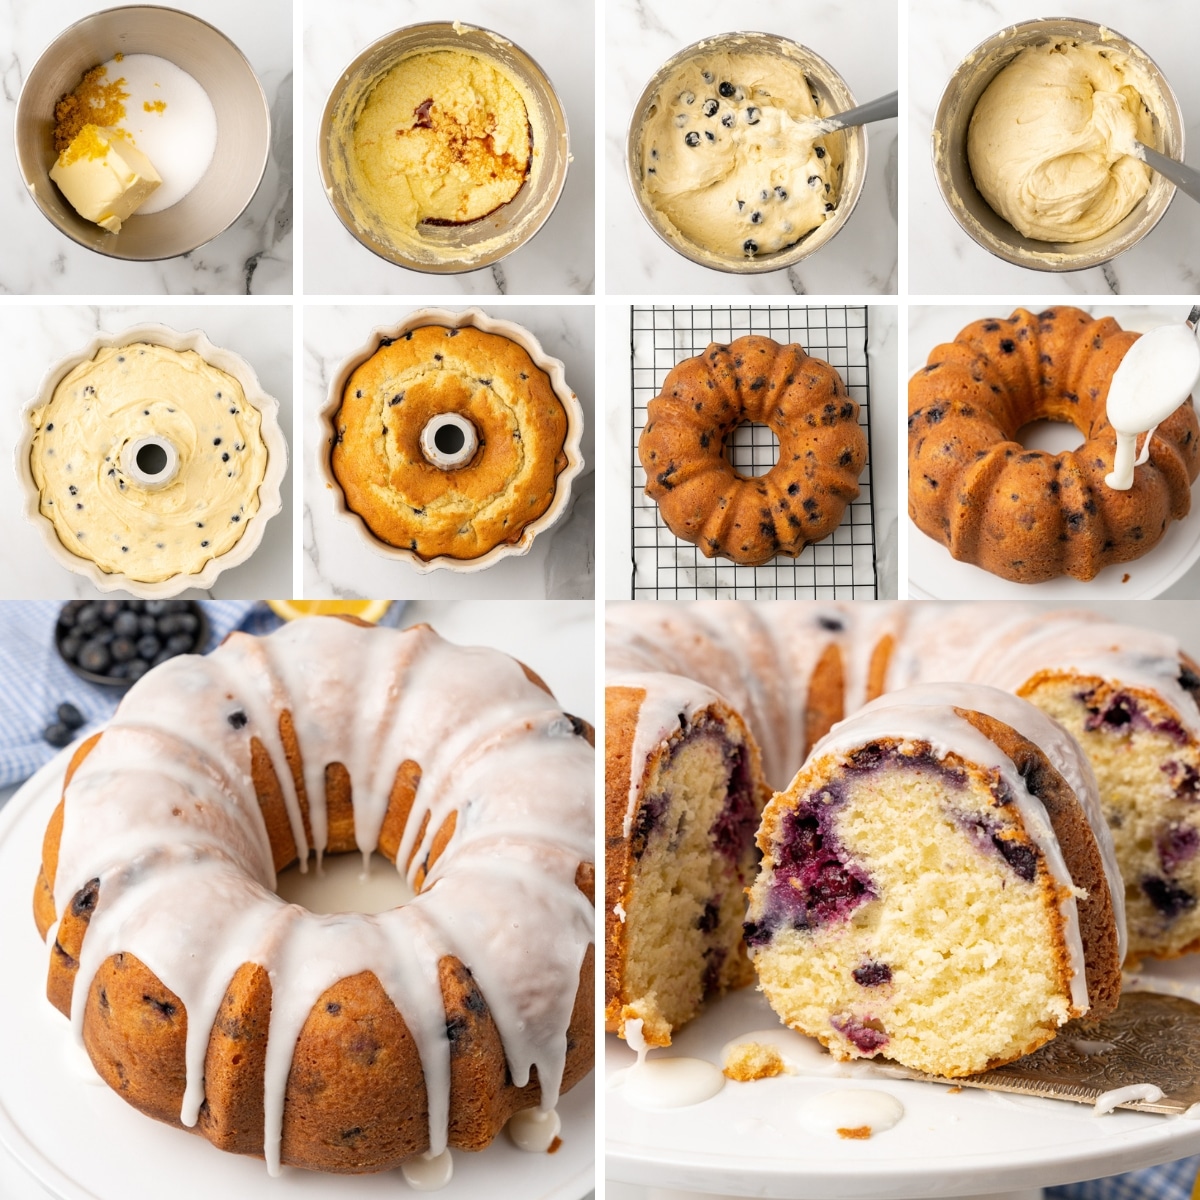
point(1107, 1102)
point(851, 1108)
point(428, 1172)
point(1090, 1048)
point(661, 1083)
point(163, 812)
point(1192, 1112)
point(534, 1131)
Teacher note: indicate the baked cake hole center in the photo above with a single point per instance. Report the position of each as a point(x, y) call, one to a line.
point(752, 450)
point(449, 440)
point(339, 886)
point(1051, 436)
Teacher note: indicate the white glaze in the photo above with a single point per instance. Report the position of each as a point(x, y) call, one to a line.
point(1107, 1102)
point(850, 1108)
point(660, 1083)
point(428, 1172)
point(195, 867)
point(1091, 1049)
point(1154, 378)
point(534, 1131)
point(341, 886)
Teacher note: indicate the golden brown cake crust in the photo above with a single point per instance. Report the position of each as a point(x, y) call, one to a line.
point(822, 450)
point(354, 1101)
point(464, 512)
point(1027, 515)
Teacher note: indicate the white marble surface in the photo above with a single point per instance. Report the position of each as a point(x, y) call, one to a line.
point(942, 257)
point(561, 563)
point(254, 256)
point(931, 325)
point(882, 346)
point(560, 259)
point(858, 40)
point(34, 337)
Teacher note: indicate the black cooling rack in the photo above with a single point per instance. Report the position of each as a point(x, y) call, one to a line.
point(841, 567)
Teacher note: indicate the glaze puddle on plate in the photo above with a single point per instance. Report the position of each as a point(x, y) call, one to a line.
point(340, 886)
point(171, 120)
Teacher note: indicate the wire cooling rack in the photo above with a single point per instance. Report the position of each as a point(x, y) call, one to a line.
point(842, 566)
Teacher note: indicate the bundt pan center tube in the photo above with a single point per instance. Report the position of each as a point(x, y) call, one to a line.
point(346, 1042)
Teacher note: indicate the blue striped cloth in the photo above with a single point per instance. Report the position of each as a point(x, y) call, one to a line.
point(1171, 1181)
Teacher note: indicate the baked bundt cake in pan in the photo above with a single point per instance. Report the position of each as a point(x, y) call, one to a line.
point(347, 1042)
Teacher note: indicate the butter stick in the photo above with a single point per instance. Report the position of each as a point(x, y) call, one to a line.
point(104, 176)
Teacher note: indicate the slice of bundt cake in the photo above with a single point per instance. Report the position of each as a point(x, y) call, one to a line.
point(683, 794)
point(938, 886)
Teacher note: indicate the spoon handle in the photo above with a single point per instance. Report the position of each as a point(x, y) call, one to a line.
point(873, 110)
point(1186, 178)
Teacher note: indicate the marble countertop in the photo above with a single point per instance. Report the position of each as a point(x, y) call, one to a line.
point(942, 257)
point(931, 325)
point(560, 259)
point(858, 40)
point(253, 256)
point(561, 563)
point(33, 337)
point(882, 349)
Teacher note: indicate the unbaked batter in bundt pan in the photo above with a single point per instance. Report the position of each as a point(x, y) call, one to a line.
point(1027, 515)
point(450, 443)
point(349, 1042)
point(822, 450)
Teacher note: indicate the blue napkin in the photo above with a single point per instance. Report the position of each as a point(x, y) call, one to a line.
point(34, 680)
point(1171, 1181)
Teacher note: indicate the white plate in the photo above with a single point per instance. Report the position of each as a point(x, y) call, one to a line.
point(83, 1142)
point(934, 575)
point(748, 1141)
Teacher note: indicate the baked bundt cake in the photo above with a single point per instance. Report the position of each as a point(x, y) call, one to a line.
point(1027, 515)
point(793, 669)
point(680, 855)
point(394, 482)
point(822, 450)
point(936, 884)
point(349, 1042)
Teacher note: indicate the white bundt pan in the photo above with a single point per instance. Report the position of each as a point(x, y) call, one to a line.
point(477, 319)
point(269, 500)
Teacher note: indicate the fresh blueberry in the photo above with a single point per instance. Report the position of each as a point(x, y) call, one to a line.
point(118, 671)
point(122, 649)
point(180, 643)
point(69, 715)
point(94, 657)
point(110, 610)
point(178, 623)
point(147, 625)
point(829, 208)
point(126, 624)
point(727, 120)
point(750, 246)
point(726, 90)
point(135, 669)
point(764, 194)
point(710, 107)
point(88, 618)
point(707, 76)
point(688, 97)
point(756, 218)
point(752, 115)
point(680, 120)
point(781, 193)
point(692, 139)
point(156, 608)
point(709, 134)
point(70, 613)
point(820, 151)
point(58, 734)
point(70, 647)
point(814, 181)
point(148, 646)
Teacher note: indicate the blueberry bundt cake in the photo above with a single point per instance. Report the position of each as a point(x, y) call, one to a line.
point(449, 442)
point(350, 1042)
point(822, 450)
point(791, 670)
point(1027, 515)
point(937, 884)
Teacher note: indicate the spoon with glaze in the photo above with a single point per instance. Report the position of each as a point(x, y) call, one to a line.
point(1185, 178)
point(1154, 378)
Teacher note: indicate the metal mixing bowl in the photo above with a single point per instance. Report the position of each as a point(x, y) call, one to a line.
point(835, 94)
point(448, 249)
point(953, 171)
point(243, 127)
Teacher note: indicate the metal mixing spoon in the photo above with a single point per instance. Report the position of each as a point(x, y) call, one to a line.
point(873, 110)
point(1185, 178)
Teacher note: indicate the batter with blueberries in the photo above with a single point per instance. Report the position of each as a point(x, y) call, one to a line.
point(731, 158)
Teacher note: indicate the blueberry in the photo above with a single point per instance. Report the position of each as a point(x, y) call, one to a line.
point(727, 120)
point(123, 649)
point(688, 97)
point(708, 134)
point(178, 623)
point(147, 625)
point(872, 974)
point(180, 643)
point(135, 669)
point(707, 76)
point(70, 647)
point(148, 646)
point(680, 120)
point(118, 671)
point(756, 218)
point(692, 139)
point(710, 107)
point(110, 610)
point(177, 606)
point(829, 208)
point(161, 657)
point(726, 90)
point(752, 115)
point(781, 193)
point(70, 613)
point(820, 151)
point(69, 715)
point(764, 194)
point(88, 618)
point(814, 181)
point(104, 636)
point(156, 608)
point(126, 624)
point(750, 246)
point(94, 657)
point(238, 719)
point(58, 734)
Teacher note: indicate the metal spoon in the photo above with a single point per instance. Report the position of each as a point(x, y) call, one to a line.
point(863, 114)
point(1185, 178)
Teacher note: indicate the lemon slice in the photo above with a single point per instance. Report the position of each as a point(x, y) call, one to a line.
point(365, 610)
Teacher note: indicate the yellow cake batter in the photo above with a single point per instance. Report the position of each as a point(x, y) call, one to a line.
point(1051, 140)
point(730, 157)
point(442, 138)
point(99, 512)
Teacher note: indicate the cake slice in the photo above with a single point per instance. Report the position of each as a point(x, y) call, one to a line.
point(938, 885)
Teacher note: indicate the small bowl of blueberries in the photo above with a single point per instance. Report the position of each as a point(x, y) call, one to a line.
point(115, 642)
